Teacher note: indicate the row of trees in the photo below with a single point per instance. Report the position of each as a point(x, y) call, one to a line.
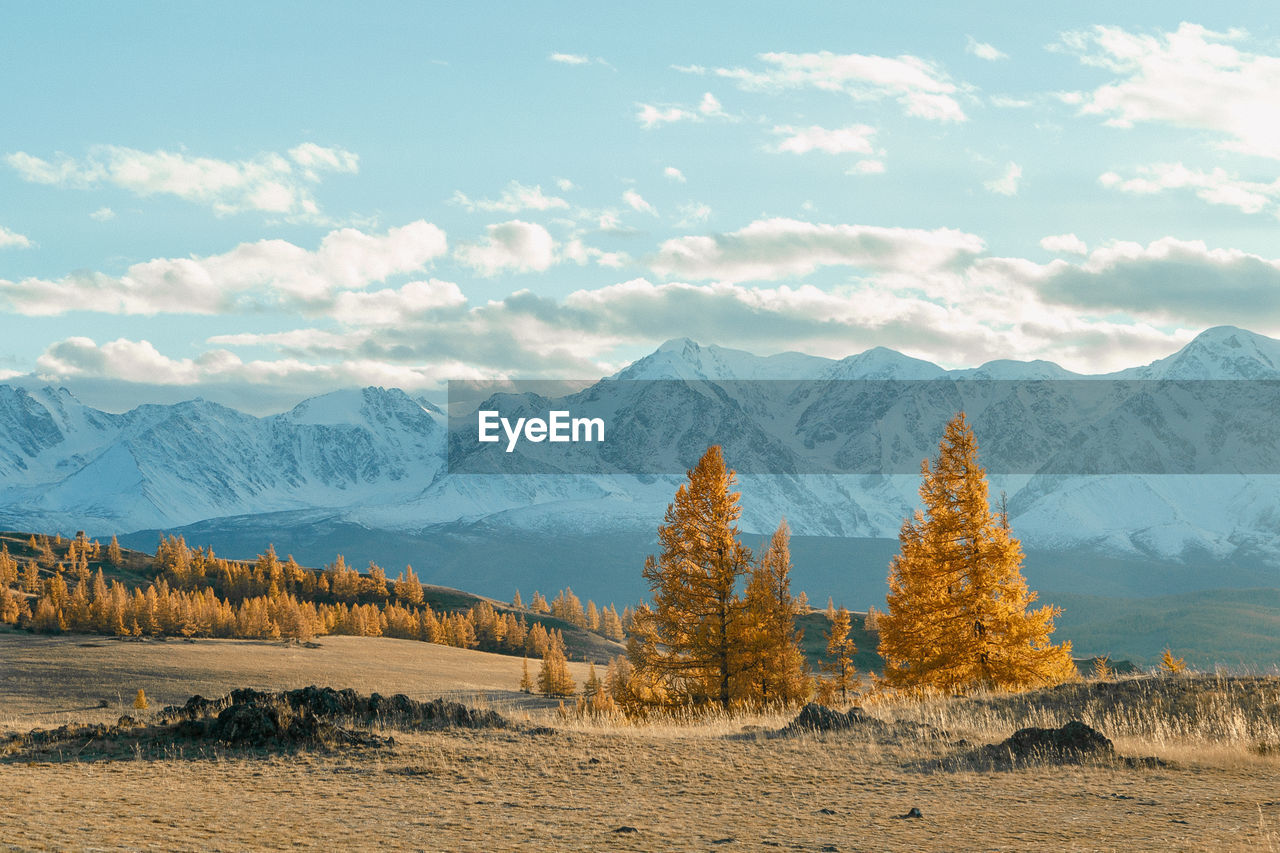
point(196, 568)
point(93, 605)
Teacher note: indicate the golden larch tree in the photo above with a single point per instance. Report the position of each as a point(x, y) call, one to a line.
point(554, 678)
point(840, 652)
point(958, 613)
point(683, 646)
point(773, 671)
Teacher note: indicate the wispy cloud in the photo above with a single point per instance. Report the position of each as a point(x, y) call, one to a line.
point(13, 240)
point(983, 50)
point(515, 198)
point(922, 88)
point(1216, 186)
point(774, 248)
point(1007, 183)
point(854, 139)
point(272, 183)
point(651, 116)
point(637, 202)
point(251, 277)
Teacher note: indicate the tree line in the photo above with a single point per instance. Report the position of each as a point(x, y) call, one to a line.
point(196, 594)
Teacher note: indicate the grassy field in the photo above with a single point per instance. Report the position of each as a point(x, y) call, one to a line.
point(724, 784)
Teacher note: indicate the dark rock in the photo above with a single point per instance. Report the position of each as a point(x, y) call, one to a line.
point(826, 811)
point(247, 724)
point(820, 718)
point(191, 729)
point(1072, 742)
point(626, 830)
point(912, 813)
point(126, 722)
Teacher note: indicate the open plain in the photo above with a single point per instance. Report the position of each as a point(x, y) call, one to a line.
point(719, 784)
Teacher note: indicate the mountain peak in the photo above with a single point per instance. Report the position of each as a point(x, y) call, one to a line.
point(1221, 352)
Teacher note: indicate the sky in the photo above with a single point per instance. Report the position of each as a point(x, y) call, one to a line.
point(258, 202)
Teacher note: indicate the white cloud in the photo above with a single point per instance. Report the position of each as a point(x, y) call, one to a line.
point(269, 183)
point(1192, 77)
point(1067, 244)
point(13, 240)
point(674, 174)
point(854, 139)
point(565, 185)
point(710, 106)
point(577, 59)
point(139, 362)
point(866, 167)
point(1009, 103)
point(1215, 187)
point(636, 202)
point(252, 276)
point(1007, 183)
point(919, 86)
point(692, 213)
point(581, 254)
point(777, 248)
point(515, 198)
point(651, 116)
point(396, 306)
point(982, 50)
point(103, 214)
point(515, 246)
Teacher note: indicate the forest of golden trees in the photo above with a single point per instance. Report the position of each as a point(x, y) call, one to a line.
point(196, 594)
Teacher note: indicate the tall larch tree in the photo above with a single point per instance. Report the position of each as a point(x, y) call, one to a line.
point(773, 668)
point(958, 613)
point(840, 652)
point(553, 677)
point(683, 645)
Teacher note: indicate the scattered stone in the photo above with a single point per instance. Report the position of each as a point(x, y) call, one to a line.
point(104, 703)
point(829, 848)
point(626, 830)
point(729, 840)
point(126, 722)
point(826, 811)
point(913, 813)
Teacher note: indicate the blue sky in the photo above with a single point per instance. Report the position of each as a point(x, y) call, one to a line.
point(258, 202)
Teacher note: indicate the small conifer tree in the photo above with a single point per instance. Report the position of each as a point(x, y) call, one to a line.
point(840, 651)
point(140, 701)
point(526, 683)
point(1102, 670)
point(1172, 665)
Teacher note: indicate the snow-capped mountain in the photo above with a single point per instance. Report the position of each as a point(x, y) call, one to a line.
point(64, 465)
point(375, 458)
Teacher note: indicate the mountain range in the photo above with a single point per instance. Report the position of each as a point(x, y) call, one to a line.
point(364, 472)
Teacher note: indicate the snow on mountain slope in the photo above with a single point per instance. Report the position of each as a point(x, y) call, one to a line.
point(376, 457)
point(70, 466)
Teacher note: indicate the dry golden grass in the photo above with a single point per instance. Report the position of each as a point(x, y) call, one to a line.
point(701, 786)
